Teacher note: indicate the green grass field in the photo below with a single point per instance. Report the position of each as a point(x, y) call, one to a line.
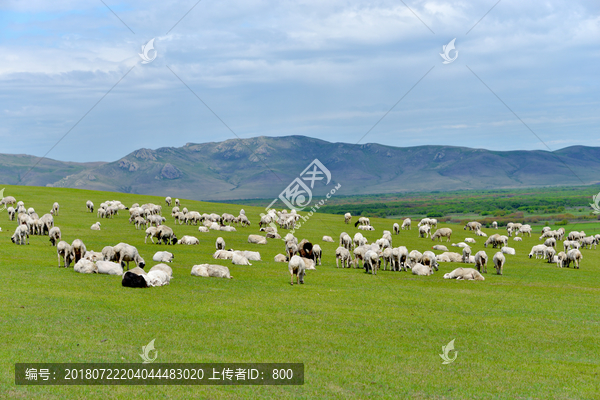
point(532, 333)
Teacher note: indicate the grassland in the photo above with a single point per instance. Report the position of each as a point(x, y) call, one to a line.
point(532, 333)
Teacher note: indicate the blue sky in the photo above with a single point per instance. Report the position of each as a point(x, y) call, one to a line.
point(326, 69)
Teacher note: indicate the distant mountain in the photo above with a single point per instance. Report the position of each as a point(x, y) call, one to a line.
point(262, 167)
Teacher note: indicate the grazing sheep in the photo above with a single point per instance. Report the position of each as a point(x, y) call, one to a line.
point(239, 260)
point(499, 261)
point(517, 239)
point(396, 229)
point(561, 259)
point(162, 256)
point(168, 201)
point(55, 209)
point(84, 266)
point(508, 250)
point(422, 270)
point(8, 200)
point(388, 258)
point(406, 224)
point(494, 225)
point(347, 218)
point(135, 278)
point(442, 232)
point(327, 239)
point(429, 259)
point(317, 253)
point(481, 260)
point(364, 221)
point(128, 253)
point(549, 254)
point(109, 268)
point(297, 267)
point(280, 258)
point(166, 235)
point(96, 226)
point(211, 271)
point(372, 261)
point(440, 247)
point(589, 241)
point(494, 240)
point(550, 242)
point(473, 226)
point(468, 274)
point(257, 239)
point(188, 240)
point(424, 231)
point(177, 203)
point(342, 254)
point(55, 235)
point(469, 240)
point(346, 241)
point(63, 250)
point(108, 254)
point(414, 257)
point(220, 243)
point(466, 254)
point(574, 256)
point(401, 257)
point(538, 251)
point(78, 249)
point(11, 213)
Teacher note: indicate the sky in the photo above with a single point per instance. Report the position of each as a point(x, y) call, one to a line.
point(74, 87)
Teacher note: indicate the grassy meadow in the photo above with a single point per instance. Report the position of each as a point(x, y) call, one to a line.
point(532, 333)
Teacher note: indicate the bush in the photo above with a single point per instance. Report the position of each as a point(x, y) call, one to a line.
point(563, 222)
point(434, 214)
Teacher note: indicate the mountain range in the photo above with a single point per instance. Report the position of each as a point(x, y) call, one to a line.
point(262, 167)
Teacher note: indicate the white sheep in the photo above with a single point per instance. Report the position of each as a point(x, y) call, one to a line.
point(257, 239)
point(396, 228)
point(561, 259)
point(55, 208)
point(327, 239)
point(347, 218)
point(297, 267)
point(537, 251)
point(84, 266)
point(508, 250)
point(469, 274)
point(499, 261)
point(223, 255)
point(440, 247)
point(211, 270)
point(109, 268)
point(429, 259)
point(95, 227)
point(406, 224)
point(442, 232)
point(424, 231)
point(549, 254)
point(78, 249)
point(469, 240)
point(163, 256)
point(517, 239)
point(400, 257)
point(220, 243)
point(371, 261)
point(127, 253)
point(280, 258)
point(466, 254)
point(422, 270)
point(342, 254)
point(574, 256)
point(414, 257)
point(63, 250)
point(317, 253)
point(159, 275)
point(239, 260)
point(168, 200)
point(55, 235)
point(481, 260)
point(188, 240)
point(451, 256)
point(494, 225)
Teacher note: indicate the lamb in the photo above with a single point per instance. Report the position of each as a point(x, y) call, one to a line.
point(406, 224)
point(538, 251)
point(168, 200)
point(280, 258)
point(84, 266)
point(297, 267)
point(508, 250)
point(429, 259)
point(211, 270)
point(135, 278)
point(469, 274)
point(257, 239)
point(128, 253)
point(574, 256)
point(317, 254)
point(347, 218)
point(442, 232)
point(327, 239)
point(55, 235)
point(481, 260)
point(109, 268)
point(55, 208)
point(95, 227)
point(440, 247)
point(239, 260)
point(499, 261)
point(63, 250)
point(342, 254)
point(396, 229)
point(422, 270)
point(466, 254)
point(161, 256)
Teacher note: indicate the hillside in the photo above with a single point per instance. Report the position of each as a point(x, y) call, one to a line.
point(262, 167)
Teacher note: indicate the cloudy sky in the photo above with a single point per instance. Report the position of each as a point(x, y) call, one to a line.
point(326, 69)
